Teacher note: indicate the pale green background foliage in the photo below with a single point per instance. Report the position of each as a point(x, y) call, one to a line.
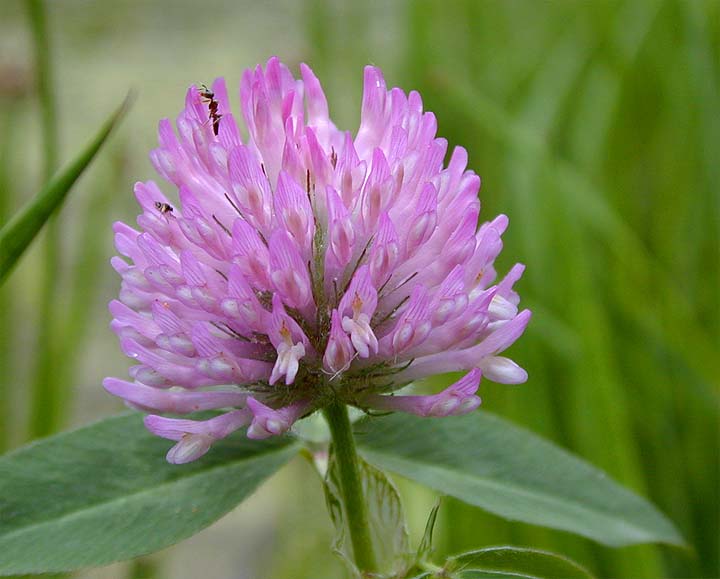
point(595, 126)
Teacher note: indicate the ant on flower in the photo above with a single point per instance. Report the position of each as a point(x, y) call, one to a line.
point(208, 97)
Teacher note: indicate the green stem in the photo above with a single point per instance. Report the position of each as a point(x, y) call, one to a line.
point(351, 489)
point(45, 397)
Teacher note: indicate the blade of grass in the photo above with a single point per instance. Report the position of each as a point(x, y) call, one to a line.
point(703, 78)
point(319, 36)
point(18, 233)
point(16, 236)
point(543, 108)
point(589, 205)
point(636, 358)
point(702, 69)
point(455, 517)
point(90, 263)
point(550, 97)
point(45, 86)
point(600, 414)
point(7, 134)
point(45, 350)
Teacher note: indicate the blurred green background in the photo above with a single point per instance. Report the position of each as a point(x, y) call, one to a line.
point(595, 126)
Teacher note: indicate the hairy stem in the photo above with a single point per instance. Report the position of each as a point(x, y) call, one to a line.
point(351, 489)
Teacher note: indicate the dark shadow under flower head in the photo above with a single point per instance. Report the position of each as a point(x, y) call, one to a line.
point(306, 265)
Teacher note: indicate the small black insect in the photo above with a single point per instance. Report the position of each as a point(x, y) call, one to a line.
point(163, 207)
point(209, 97)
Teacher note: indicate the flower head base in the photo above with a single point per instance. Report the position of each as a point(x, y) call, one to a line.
point(306, 265)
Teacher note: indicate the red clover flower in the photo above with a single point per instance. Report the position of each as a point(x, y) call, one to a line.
point(306, 265)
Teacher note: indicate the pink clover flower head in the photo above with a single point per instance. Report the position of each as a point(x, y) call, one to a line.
point(305, 264)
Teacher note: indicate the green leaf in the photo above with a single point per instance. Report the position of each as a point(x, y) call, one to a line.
point(104, 493)
point(515, 562)
point(17, 234)
point(388, 528)
point(425, 547)
point(488, 462)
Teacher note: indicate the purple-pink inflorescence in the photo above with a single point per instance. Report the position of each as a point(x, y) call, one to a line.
point(305, 266)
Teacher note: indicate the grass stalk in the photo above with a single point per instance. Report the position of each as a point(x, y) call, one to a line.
point(45, 398)
point(7, 132)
